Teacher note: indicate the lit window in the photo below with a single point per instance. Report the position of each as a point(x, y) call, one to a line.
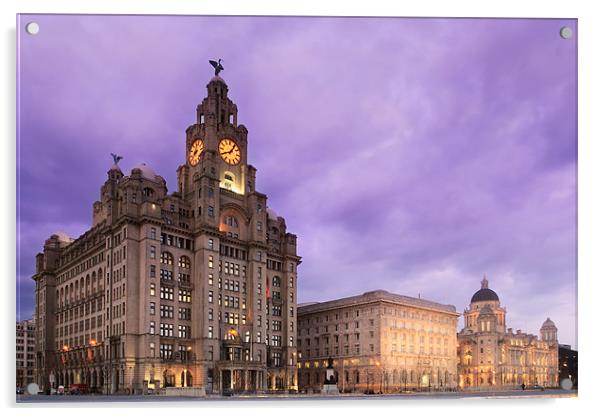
point(184, 262)
point(166, 257)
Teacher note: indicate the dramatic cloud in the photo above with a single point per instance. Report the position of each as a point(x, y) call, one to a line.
point(412, 155)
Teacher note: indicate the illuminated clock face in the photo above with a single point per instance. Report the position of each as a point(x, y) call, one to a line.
point(194, 156)
point(229, 151)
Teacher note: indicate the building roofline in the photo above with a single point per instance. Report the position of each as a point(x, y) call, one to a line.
point(371, 297)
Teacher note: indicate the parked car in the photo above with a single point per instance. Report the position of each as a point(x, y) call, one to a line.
point(78, 389)
point(20, 390)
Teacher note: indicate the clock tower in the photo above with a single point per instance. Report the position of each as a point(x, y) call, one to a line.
point(216, 145)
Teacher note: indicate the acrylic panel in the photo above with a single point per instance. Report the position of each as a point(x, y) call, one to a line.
point(319, 207)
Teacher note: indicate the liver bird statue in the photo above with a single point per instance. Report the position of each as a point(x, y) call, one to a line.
point(217, 65)
point(116, 158)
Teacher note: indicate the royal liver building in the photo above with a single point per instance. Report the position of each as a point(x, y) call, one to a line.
point(192, 289)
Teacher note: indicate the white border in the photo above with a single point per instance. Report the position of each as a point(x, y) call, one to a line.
point(590, 171)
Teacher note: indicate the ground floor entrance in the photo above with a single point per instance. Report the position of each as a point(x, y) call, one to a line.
point(240, 380)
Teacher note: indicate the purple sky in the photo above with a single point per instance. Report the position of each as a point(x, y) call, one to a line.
point(411, 155)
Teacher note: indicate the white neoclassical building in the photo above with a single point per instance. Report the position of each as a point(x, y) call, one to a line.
point(492, 356)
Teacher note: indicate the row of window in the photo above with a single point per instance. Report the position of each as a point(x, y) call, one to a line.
point(82, 326)
point(79, 288)
point(174, 241)
point(167, 293)
point(167, 258)
point(81, 310)
point(167, 330)
point(231, 285)
point(230, 251)
point(274, 265)
point(232, 268)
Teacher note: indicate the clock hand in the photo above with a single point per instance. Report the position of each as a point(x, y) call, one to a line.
point(228, 152)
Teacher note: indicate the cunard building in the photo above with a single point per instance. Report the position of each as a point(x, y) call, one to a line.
point(193, 289)
point(492, 356)
point(378, 341)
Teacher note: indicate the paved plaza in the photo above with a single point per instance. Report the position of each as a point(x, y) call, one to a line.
point(61, 400)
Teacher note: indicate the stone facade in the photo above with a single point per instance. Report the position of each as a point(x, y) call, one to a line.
point(378, 341)
point(25, 340)
point(195, 288)
point(491, 356)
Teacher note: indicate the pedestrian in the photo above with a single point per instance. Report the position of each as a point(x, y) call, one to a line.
point(523, 386)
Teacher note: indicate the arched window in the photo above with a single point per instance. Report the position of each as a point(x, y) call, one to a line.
point(230, 220)
point(166, 258)
point(275, 281)
point(184, 262)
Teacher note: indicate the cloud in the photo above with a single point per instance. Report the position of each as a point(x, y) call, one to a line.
point(411, 155)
